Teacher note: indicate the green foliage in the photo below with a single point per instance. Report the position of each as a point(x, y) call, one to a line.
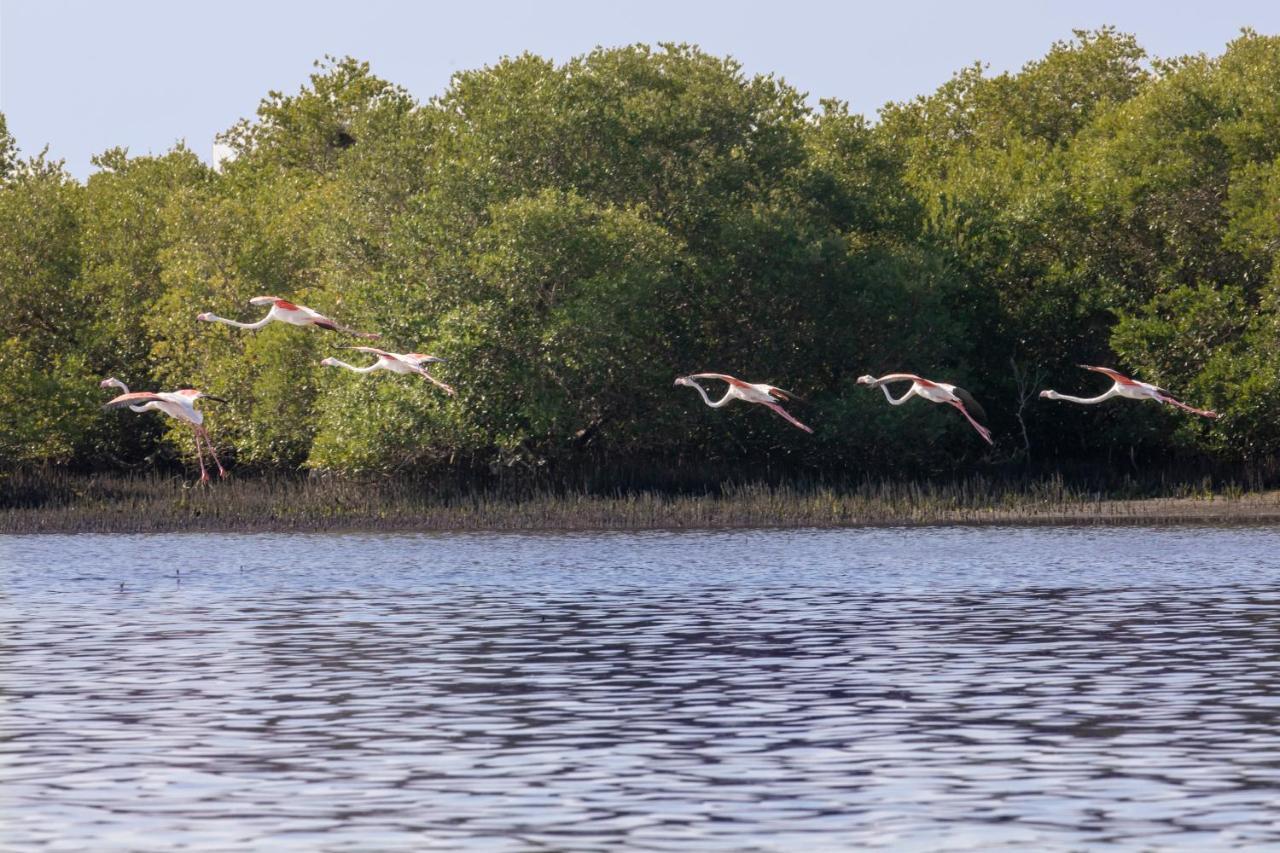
point(572, 237)
point(43, 318)
point(49, 401)
point(8, 150)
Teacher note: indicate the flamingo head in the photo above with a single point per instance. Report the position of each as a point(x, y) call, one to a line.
point(684, 380)
point(866, 379)
point(329, 362)
point(206, 316)
point(111, 382)
point(1049, 394)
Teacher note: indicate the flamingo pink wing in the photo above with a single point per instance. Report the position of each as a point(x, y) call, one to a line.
point(1106, 371)
point(783, 394)
point(723, 377)
point(131, 398)
point(375, 351)
point(906, 377)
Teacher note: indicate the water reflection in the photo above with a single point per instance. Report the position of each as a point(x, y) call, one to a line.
point(772, 690)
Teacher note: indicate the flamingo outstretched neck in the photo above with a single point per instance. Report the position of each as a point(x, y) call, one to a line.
point(883, 384)
point(723, 401)
point(112, 382)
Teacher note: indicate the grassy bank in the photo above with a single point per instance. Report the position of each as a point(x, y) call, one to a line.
point(56, 502)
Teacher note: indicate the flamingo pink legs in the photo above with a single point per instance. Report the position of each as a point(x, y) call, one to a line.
point(786, 415)
point(201, 432)
point(982, 431)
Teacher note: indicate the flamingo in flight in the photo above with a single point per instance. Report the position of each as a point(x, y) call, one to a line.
point(750, 392)
point(934, 392)
point(1132, 389)
point(284, 311)
point(395, 362)
point(176, 404)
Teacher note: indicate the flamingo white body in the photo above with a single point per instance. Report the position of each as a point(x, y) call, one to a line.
point(395, 362)
point(176, 404)
point(1130, 389)
point(934, 392)
point(768, 396)
point(284, 311)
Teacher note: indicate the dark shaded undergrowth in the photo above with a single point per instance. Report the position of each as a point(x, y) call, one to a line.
point(54, 501)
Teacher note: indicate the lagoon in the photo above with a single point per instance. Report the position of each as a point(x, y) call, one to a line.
point(923, 688)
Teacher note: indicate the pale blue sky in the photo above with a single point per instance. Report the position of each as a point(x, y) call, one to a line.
point(84, 76)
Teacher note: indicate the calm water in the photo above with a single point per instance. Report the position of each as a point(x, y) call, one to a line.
point(804, 690)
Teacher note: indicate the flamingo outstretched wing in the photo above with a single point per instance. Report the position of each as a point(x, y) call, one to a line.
point(1114, 375)
point(422, 358)
point(132, 398)
point(906, 377)
point(783, 394)
point(333, 326)
point(962, 403)
point(723, 377)
point(373, 350)
point(974, 407)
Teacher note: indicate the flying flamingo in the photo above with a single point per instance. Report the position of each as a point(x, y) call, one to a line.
point(1132, 389)
point(175, 404)
point(750, 392)
point(284, 311)
point(934, 392)
point(395, 362)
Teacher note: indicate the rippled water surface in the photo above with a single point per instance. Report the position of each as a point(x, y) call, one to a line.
point(801, 690)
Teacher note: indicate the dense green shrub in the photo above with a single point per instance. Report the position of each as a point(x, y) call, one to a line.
point(573, 237)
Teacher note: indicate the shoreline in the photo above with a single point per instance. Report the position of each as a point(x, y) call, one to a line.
point(153, 505)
